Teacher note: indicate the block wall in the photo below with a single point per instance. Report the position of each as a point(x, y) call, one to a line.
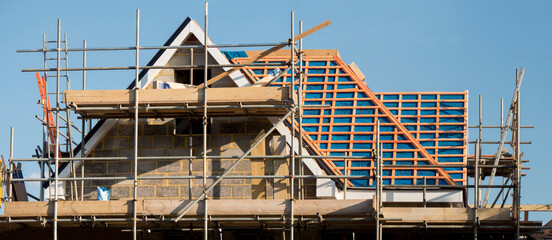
point(229, 137)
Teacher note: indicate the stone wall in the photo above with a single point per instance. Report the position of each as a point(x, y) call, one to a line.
point(229, 137)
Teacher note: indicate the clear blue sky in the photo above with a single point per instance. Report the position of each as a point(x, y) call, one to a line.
point(399, 45)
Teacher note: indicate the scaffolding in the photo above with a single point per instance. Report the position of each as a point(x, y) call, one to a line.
point(289, 220)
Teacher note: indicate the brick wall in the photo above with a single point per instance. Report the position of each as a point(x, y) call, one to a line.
point(229, 137)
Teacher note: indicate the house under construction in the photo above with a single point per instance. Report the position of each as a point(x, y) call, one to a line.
point(275, 144)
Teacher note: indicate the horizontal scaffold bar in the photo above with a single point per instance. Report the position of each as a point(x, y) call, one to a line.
point(148, 67)
point(477, 126)
point(181, 157)
point(151, 47)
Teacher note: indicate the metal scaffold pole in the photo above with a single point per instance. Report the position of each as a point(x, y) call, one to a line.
point(56, 149)
point(517, 152)
point(136, 91)
point(11, 168)
point(292, 159)
point(83, 134)
point(477, 179)
point(46, 130)
point(519, 79)
point(379, 182)
point(205, 79)
point(300, 110)
point(478, 149)
point(218, 179)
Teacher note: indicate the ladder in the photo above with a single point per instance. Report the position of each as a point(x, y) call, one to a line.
point(44, 94)
point(65, 125)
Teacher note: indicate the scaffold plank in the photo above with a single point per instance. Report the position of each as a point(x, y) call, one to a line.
point(194, 96)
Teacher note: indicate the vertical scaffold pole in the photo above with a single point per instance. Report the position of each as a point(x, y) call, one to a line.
point(136, 91)
point(378, 182)
point(46, 113)
point(205, 79)
point(519, 79)
point(83, 135)
point(190, 130)
point(56, 149)
point(292, 161)
point(518, 168)
point(46, 127)
point(11, 168)
point(501, 129)
point(300, 103)
point(69, 124)
point(346, 172)
point(476, 191)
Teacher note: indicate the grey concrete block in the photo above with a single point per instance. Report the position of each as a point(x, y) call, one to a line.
point(126, 182)
point(217, 192)
point(226, 181)
point(197, 165)
point(154, 152)
point(197, 141)
point(168, 166)
point(222, 191)
point(241, 191)
point(151, 130)
point(112, 131)
point(247, 181)
point(120, 192)
point(196, 191)
point(116, 143)
point(199, 182)
point(180, 182)
point(218, 165)
point(184, 192)
point(166, 191)
point(243, 166)
point(95, 183)
point(215, 127)
point(180, 141)
point(244, 141)
point(95, 167)
point(126, 130)
point(162, 141)
point(222, 141)
point(256, 126)
point(105, 153)
point(152, 182)
point(143, 142)
point(210, 152)
point(126, 153)
point(88, 183)
point(225, 163)
point(145, 191)
point(232, 152)
point(119, 167)
point(178, 152)
point(238, 119)
point(146, 166)
point(231, 128)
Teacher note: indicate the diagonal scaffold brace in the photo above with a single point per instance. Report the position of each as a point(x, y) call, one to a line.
point(519, 79)
point(267, 52)
point(259, 140)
